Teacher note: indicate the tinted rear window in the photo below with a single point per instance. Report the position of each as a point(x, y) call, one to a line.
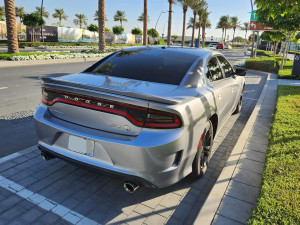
point(148, 64)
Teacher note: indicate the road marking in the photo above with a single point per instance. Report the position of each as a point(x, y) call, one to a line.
point(45, 203)
point(17, 154)
point(1, 88)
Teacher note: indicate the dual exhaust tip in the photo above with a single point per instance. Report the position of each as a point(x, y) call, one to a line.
point(128, 186)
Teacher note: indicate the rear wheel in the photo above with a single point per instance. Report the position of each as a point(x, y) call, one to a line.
point(238, 106)
point(203, 155)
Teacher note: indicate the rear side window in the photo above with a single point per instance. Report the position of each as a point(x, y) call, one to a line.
point(214, 71)
point(148, 64)
point(226, 66)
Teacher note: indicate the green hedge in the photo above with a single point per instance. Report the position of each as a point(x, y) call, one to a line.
point(7, 56)
point(266, 64)
point(286, 72)
point(293, 52)
point(38, 44)
point(279, 198)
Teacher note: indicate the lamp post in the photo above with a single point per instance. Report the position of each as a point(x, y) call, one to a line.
point(164, 30)
point(159, 17)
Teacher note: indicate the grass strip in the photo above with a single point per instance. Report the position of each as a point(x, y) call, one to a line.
point(279, 199)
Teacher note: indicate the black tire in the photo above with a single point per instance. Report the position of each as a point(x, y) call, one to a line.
point(203, 155)
point(238, 107)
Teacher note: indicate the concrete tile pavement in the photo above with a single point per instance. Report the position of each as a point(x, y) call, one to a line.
point(234, 196)
point(57, 191)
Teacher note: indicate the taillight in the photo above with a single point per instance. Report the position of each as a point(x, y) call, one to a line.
point(139, 116)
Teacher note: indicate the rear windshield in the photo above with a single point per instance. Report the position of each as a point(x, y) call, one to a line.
point(148, 64)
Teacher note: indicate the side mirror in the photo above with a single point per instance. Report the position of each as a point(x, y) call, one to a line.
point(241, 71)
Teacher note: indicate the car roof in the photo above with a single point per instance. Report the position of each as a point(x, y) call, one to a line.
point(177, 50)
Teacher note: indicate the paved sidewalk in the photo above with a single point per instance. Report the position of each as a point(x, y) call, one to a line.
point(288, 82)
point(234, 196)
point(33, 191)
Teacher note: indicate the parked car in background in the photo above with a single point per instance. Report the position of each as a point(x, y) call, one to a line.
point(149, 114)
point(212, 45)
point(220, 46)
point(228, 46)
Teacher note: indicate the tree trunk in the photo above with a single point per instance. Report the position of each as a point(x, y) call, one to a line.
point(145, 29)
point(280, 49)
point(203, 34)
point(222, 34)
point(199, 32)
point(183, 27)
point(285, 47)
point(193, 32)
point(101, 24)
point(11, 26)
point(170, 22)
point(233, 36)
point(225, 36)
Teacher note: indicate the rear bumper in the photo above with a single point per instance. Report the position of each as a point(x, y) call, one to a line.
point(156, 157)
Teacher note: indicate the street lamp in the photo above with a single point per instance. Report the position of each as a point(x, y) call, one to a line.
point(159, 17)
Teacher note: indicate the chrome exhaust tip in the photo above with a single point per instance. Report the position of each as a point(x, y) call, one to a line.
point(45, 156)
point(130, 187)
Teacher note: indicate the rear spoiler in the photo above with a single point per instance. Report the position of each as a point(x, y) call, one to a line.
point(53, 82)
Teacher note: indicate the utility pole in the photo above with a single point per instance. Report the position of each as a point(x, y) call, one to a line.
point(42, 18)
point(253, 39)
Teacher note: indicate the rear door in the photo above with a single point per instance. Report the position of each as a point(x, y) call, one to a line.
point(217, 82)
point(231, 83)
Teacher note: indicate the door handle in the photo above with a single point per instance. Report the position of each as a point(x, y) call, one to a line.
point(219, 96)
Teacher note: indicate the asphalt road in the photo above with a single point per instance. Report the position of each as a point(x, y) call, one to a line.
point(20, 94)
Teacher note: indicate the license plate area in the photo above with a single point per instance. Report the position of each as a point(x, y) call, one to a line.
point(77, 144)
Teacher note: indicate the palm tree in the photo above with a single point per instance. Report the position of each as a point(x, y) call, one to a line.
point(191, 22)
point(234, 21)
point(221, 25)
point(141, 18)
point(60, 14)
point(11, 26)
point(120, 16)
point(38, 11)
point(96, 16)
point(224, 24)
point(170, 22)
point(20, 12)
point(200, 13)
point(245, 28)
point(205, 24)
point(2, 13)
point(145, 28)
point(196, 5)
point(80, 20)
point(101, 24)
point(185, 5)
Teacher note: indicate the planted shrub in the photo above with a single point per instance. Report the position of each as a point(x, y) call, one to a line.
point(266, 64)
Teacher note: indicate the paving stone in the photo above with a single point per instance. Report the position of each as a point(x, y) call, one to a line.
point(163, 211)
point(9, 202)
point(32, 214)
point(155, 219)
point(253, 155)
point(221, 220)
point(49, 218)
point(72, 218)
point(86, 221)
point(114, 218)
point(247, 177)
point(256, 147)
point(153, 202)
point(18, 222)
point(142, 209)
point(182, 211)
point(251, 165)
point(96, 215)
point(235, 209)
point(242, 191)
point(170, 200)
point(134, 219)
point(12, 213)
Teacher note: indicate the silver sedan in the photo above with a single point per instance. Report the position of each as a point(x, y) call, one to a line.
point(149, 114)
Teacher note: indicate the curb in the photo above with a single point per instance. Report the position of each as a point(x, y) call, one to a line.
point(210, 207)
point(17, 154)
point(45, 62)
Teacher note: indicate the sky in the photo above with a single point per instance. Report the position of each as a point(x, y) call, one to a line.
point(134, 8)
